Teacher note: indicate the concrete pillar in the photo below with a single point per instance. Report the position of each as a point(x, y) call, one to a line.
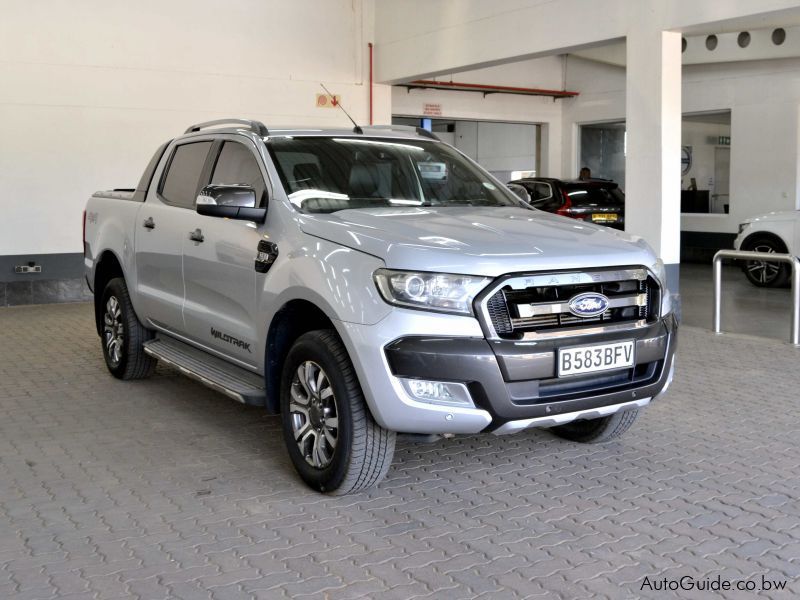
point(652, 163)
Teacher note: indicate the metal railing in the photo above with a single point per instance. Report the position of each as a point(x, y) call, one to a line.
point(761, 257)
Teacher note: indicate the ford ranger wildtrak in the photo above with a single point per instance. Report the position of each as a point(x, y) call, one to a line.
point(368, 282)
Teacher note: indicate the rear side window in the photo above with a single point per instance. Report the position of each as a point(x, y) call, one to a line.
point(183, 174)
point(237, 165)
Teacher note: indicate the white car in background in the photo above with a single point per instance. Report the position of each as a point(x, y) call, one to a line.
point(772, 232)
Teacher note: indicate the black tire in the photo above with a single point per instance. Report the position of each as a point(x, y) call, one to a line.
point(130, 362)
point(761, 273)
point(596, 431)
point(363, 450)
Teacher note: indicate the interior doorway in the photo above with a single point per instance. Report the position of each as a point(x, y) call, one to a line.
point(507, 150)
point(720, 199)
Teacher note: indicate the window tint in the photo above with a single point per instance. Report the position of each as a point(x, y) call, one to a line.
point(237, 165)
point(542, 196)
point(323, 175)
point(543, 190)
point(180, 185)
point(539, 191)
point(595, 195)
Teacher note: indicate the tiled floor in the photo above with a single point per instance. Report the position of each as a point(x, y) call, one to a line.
point(746, 309)
point(164, 489)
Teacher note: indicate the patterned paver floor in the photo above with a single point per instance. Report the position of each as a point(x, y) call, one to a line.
point(165, 489)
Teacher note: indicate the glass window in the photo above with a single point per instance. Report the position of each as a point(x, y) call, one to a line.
point(183, 176)
point(237, 165)
point(322, 174)
point(542, 196)
point(587, 195)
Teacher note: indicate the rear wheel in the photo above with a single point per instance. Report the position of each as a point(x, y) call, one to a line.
point(332, 439)
point(596, 431)
point(123, 336)
point(762, 273)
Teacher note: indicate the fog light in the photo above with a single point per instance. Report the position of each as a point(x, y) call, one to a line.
point(438, 392)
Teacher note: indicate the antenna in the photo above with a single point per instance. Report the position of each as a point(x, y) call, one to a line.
point(356, 128)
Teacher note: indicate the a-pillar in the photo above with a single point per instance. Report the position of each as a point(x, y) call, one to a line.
point(653, 154)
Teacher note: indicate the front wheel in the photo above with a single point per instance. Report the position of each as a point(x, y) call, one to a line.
point(123, 336)
point(332, 439)
point(596, 431)
point(762, 273)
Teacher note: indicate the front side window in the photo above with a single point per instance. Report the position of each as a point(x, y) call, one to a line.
point(324, 175)
point(543, 191)
point(183, 174)
point(236, 165)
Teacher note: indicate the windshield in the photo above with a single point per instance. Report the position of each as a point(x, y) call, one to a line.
point(324, 174)
point(587, 195)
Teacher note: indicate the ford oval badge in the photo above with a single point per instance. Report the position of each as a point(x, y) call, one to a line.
point(588, 304)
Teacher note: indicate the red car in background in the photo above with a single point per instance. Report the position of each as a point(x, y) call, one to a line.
point(598, 201)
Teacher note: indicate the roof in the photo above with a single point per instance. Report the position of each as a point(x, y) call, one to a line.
point(258, 129)
point(598, 182)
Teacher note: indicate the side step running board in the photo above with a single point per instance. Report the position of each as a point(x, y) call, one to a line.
point(219, 375)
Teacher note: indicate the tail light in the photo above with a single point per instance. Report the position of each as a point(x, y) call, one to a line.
point(566, 208)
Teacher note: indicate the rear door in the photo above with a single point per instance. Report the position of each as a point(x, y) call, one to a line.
point(163, 223)
point(219, 271)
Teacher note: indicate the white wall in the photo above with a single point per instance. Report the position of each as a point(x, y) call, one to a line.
point(89, 89)
point(543, 73)
point(428, 37)
point(763, 96)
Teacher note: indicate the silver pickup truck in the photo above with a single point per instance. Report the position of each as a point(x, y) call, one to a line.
point(369, 282)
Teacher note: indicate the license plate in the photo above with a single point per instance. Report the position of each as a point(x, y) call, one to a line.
point(605, 218)
point(599, 357)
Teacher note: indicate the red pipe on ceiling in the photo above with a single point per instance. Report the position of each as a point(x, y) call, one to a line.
point(498, 89)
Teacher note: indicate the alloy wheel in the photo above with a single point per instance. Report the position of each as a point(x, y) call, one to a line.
point(113, 331)
point(314, 415)
point(762, 271)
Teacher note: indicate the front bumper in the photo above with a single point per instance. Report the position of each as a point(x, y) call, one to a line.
point(516, 381)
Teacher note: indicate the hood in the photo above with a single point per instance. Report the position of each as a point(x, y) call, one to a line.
point(778, 215)
point(477, 241)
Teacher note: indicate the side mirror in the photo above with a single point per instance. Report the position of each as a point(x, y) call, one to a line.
point(520, 192)
point(230, 201)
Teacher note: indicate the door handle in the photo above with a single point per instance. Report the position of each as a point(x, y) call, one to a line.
point(149, 223)
point(196, 235)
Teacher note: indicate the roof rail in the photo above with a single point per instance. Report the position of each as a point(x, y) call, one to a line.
point(418, 130)
point(254, 126)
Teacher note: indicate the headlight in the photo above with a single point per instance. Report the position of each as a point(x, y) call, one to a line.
point(429, 291)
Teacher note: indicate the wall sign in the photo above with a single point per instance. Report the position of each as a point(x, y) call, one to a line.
point(326, 101)
point(432, 110)
point(724, 140)
point(686, 159)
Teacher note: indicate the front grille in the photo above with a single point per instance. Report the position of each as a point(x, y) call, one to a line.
point(539, 302)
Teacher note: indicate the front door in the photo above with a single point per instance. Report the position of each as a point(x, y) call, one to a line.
point(162, 224)
point(219, 264)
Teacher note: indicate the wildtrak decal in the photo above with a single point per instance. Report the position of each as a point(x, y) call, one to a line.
point(215, 333)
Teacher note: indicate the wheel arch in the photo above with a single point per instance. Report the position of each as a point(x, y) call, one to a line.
point(292, 320)
point(762, 234)
point(108, 267)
